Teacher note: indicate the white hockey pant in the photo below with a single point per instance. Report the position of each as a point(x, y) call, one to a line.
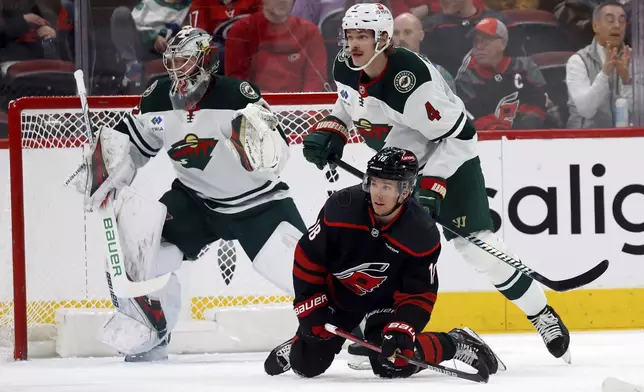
point(515, 286)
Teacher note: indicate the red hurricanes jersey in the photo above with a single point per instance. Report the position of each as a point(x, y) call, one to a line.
point(218, 16)
point(286, 57)
point(362, 266)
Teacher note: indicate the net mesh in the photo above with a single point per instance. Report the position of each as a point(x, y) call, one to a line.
point(58, 244)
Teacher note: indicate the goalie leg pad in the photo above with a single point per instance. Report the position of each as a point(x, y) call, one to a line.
point(275, 260)
point(140, 324)
point(515, 286)
point(140, 223)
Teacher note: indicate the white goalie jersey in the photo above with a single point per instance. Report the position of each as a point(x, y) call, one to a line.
point(199, 144)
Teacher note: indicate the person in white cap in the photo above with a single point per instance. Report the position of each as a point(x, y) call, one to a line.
point(394, 98)
point(500, 92)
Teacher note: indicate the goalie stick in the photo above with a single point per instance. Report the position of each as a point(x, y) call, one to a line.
point(516, 263)
point(476, 377)
point(117, 280)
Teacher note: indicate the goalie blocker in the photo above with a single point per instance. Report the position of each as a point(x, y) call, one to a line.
point(372, 252)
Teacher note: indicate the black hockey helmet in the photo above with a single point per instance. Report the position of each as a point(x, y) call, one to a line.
point(392, 163)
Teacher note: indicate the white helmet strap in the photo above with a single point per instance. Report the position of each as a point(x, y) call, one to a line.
point(377, 52)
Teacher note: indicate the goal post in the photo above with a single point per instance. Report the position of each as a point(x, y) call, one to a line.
point(53, 271)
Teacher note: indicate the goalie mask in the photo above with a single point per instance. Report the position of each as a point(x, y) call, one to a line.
point(370, 16)
point(190, 60)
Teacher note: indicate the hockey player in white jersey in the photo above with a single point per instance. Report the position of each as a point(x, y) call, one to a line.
point(395, 98)
point(227, 150)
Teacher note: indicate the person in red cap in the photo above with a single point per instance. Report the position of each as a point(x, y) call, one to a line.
point(500, 92)
point(449, 29)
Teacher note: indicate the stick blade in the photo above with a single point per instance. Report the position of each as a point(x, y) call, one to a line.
point(580, 280)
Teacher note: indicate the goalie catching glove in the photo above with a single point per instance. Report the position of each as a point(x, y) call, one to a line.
point(256, 139)
point(111, 168)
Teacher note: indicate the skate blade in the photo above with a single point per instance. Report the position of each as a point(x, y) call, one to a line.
point(357, 362)
point(567, 357)
point(612, 384)
point(502, 366)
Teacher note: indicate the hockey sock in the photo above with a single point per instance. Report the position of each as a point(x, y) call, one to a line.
point(435, 347)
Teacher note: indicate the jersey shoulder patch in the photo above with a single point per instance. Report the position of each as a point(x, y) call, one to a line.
point(415, 230)
point(230, 93)
point(406, 73)
point(156, 98)
point(346, 206)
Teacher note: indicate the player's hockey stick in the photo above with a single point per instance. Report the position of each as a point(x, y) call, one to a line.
point(516, 263)
point(117, 280)
point(476, 377)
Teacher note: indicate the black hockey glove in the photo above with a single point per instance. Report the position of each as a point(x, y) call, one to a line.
point(325, 141)
point(397, 338)
point(312, 314)
point(431, 191)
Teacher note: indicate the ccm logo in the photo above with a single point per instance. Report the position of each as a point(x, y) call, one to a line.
point(304, 308)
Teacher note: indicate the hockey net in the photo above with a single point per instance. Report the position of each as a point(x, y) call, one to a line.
point(56, 261)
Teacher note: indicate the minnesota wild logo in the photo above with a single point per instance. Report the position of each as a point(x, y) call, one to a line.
point(193, 152)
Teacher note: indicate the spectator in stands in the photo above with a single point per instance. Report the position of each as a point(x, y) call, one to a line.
point(419, 8)
point(500, 5)
point(423, 8)
point(142, 34)
point(16, 26)
point(316, 10)
point(31, 30)
point(277, 51)
point(449, 29)
point(576, 18)
point(218, 16)
point(408, 33)
point(500, 92)
point(601, 72)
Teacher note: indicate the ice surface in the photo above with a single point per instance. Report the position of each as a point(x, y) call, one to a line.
point(595, 356)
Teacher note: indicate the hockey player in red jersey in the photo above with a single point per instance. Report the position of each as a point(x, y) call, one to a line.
point(372, 254)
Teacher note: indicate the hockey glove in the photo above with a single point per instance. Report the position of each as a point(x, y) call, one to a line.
point(312, 314)
point(431, 192)
point(398, 338)
point(325, 141)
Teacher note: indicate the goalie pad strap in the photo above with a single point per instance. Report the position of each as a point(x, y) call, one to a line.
point(332, 124)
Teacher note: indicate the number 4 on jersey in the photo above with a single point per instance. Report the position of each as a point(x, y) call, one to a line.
point(432, 113)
